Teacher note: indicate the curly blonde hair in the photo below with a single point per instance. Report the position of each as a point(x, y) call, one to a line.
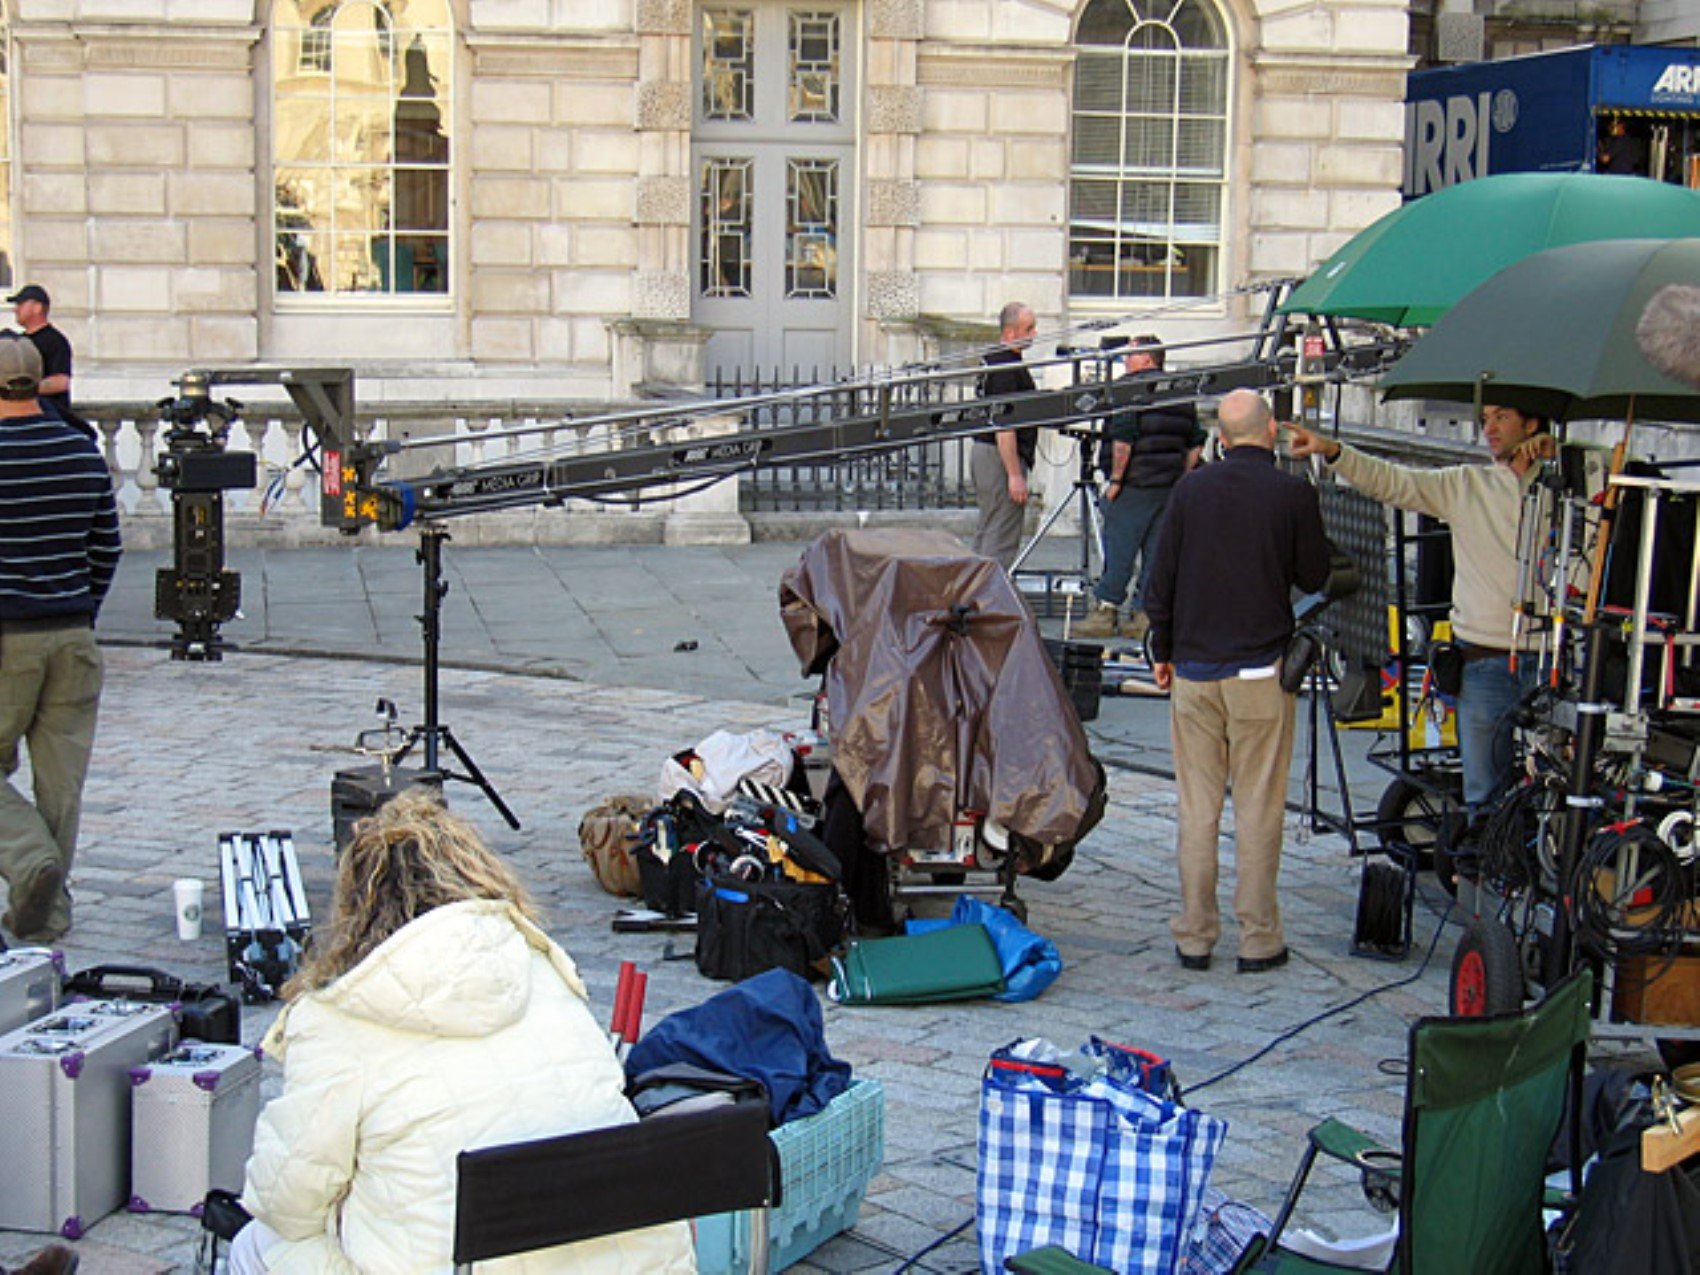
point(409, 857)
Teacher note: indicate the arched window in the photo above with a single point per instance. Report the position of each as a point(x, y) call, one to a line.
point(1149, 164)
point(361, 117)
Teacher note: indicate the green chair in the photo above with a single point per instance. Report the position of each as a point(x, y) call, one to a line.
point(1484, 1098)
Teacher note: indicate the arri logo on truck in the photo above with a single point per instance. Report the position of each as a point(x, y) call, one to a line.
point(1449, 140)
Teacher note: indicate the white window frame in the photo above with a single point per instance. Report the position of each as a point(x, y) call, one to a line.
point(286, 301)
point(1168, 234)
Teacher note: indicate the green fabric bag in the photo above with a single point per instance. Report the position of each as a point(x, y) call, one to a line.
point(956, 963)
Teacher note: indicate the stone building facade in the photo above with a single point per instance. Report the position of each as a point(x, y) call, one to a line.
point(540, 200)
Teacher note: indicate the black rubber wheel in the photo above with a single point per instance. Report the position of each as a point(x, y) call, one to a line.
point(1411, 814)
point(1487, 971)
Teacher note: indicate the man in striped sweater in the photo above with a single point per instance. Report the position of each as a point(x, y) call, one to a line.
point(58, 549)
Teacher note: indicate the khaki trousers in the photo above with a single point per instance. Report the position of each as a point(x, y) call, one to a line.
point(49, 696)
point(1236, 733)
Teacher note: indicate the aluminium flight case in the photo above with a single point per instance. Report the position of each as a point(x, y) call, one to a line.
point(192, 1117)
point(29, 985)
point(65, 1112)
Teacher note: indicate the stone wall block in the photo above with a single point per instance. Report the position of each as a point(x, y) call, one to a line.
point(54, 194)
point(135, 339)
point(891, 203)
point(61, 241)
point(952, 204)
point(211, 194)
point(599, 246)
point(953, 111)
point(208, 290)
point(1284, 118)
point(607, 153)
point(1281, 163)
point(1028, 205)
point(664, 104)
point(526, 198)
point(501, 148)
point(136, 145)
point(894, 108)
point(51, 97)
point(594, 199)
point(1369, 121)
point(509, 292)
point(496, 101)
point(940, 250)
point(126, 194)
point(596, 105)
point(661, 294)
point(204, 96)
point(112, 240)
point(604, 293)
point(554, 244)
point(501, 243)
point(1280, 253)
point(893, 294)
point(53, 146)
point(1376, 166)
point(1289, 208)
point(502, 340)
point(663, 17)
point(133, 289)
point(941, 157)
point(664, 201)
point(1354, 209)
point(224, 338)
point(1045, 160)
point(1016, 113)
point(214, 242)
point(221, 145)
point(954, 294)
point(117, 96)
point(896, 19)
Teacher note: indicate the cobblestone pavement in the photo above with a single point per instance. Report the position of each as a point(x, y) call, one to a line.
point(187, 751)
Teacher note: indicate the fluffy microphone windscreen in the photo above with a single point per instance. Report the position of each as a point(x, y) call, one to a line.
point(1669, 332)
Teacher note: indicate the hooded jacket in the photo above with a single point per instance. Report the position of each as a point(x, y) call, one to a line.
point(466, 1028)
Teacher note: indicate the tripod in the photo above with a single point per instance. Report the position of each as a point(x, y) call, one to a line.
point(432, 731)
point(1084, 494)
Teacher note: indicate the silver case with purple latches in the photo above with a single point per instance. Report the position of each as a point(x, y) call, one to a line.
point(192, 1118)
point(29, 985)
point(65, 1112)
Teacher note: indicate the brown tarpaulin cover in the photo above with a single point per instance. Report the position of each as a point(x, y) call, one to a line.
point(934, 667)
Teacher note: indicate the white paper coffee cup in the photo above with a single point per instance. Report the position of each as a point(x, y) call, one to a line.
point(188, 894)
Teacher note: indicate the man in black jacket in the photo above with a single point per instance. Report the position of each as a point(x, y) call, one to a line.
point(1238, 537)
point(1146, 454)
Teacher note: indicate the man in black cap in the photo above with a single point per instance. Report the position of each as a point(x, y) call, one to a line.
point(59, 548)
point(31, 305)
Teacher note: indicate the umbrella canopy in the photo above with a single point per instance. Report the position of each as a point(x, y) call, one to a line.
point(1414, 264)
point(1555, 335)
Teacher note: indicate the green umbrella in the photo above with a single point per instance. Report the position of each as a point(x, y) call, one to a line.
point(1410, 267)
point(1555, 335)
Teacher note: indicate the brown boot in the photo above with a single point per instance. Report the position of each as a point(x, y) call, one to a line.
point(55, 1259)
point(1101, 623)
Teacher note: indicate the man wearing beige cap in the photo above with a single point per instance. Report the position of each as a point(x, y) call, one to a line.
point(58, 549)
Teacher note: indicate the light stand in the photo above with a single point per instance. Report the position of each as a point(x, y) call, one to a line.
point(1083, 494)
point(432, 731)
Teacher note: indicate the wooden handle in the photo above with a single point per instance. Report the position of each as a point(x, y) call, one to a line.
point(1662, 1147)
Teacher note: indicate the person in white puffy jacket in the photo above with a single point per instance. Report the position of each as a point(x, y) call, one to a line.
point(433, 1015)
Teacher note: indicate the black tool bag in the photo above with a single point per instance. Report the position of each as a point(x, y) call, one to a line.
point(204, 1012)
point(746, 927)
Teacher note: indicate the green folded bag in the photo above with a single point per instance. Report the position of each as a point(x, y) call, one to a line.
point(955, 963)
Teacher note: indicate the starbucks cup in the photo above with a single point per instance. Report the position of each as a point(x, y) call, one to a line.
point(188, 895)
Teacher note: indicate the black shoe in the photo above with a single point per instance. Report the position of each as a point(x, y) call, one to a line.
point(1190, 962)
point(1262, 964)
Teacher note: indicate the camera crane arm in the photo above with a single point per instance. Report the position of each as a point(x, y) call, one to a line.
point(711, 440)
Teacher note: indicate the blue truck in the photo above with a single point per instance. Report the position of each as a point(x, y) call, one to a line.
point(1593, 108)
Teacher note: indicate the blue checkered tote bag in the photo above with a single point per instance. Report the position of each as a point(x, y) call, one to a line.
point(1079, 1151)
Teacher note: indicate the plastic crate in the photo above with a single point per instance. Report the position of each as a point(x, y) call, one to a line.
point(825, 1164)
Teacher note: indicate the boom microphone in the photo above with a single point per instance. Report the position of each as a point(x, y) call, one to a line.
point(1669, 332)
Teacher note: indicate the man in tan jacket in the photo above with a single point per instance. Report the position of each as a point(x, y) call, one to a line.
point(1483, 505)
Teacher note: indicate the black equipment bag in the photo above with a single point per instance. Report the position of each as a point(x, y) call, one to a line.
point(204, 1012)
point(747, 927)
